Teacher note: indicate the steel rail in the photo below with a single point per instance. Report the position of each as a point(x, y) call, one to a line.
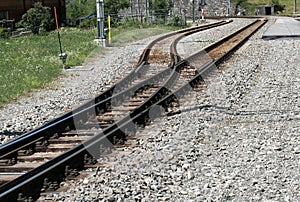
point(145, 55)
point(101, 101)
point(75, 157)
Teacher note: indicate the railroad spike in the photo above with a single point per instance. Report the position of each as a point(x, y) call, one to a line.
point(53, 186)
point(29, 151)
point(55, 135)
point(20, 197)
point(45, 185)
point(12, 161)
point(66, 123)
point(24, 199)
point(71, 172)
point(89, 160)
point(114, 139)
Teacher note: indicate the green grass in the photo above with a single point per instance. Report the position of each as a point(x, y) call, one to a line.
point(121, 37)
point(251, 4)
point(129, 31)
point(32, 62)
point(289, 6)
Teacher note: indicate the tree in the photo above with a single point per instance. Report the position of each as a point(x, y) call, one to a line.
point(79, 8)
point(239, 3)
point(160, 8)
point(277, 6)
point(36, 18)
point(113, 6)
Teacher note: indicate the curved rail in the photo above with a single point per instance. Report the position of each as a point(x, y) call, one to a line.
point(139, 70)
point(100, 102)
point(77, 157)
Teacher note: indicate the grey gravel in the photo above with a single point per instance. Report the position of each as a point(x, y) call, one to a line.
point(237, 140)
point(65, 93)
point(78, 86)
point(195, 42)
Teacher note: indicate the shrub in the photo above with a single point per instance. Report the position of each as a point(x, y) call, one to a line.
point(176, 20)
point(37, 18)
point(89, 23)
point(4, 33)
point(77, 9)
point(277, 6)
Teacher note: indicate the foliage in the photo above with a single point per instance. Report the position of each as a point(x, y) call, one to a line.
point(240, 3)
point(32, 61)
point(277, 6)
point(36, 18)
point(88, 24)
point(4, 33)
point(134, 30)
point(129, 24)
point(286, 5)
point(113, 6)
point(79, 8)
point(176, 20)
point(159, 8)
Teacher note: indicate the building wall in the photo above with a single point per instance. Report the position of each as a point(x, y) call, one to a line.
point(264, 10)
point(14, 9)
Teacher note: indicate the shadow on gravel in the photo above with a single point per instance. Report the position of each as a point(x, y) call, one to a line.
point(229, 111)
point(9, 135)
point(196, 108)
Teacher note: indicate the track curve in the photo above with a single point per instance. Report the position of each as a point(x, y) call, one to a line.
point(28, 143)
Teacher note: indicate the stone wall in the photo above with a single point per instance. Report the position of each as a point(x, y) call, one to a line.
point(213, 8)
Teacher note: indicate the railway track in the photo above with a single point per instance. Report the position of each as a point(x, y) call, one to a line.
point(139, 70)
point(118, 115)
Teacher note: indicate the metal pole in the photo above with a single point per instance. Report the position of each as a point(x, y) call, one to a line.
point(131, 9)
point(227, 7)
point(202, 4)
point(171, 8)
point(109, 30)
point(57, 28)
point(100, 19)
point(139, 10)
point(147, 9)
point(202, 12)
point(193, 2)
point(62, 56)
point(295, 7)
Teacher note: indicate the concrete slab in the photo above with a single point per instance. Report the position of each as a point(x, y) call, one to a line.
point(79, 68)
point(284, 27)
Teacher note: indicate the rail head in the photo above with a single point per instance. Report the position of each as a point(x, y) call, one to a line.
point(74, 157)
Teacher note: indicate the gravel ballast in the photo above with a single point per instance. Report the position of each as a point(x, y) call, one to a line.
point(67, 92)
point(77, 86)
point(237, 140)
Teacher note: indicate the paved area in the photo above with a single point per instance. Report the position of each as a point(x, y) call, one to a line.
point(284, 27)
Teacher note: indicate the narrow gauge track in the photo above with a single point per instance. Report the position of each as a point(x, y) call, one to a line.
point(76, 158)
point(39, 144)
point(136, 75)
point(139, 70)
